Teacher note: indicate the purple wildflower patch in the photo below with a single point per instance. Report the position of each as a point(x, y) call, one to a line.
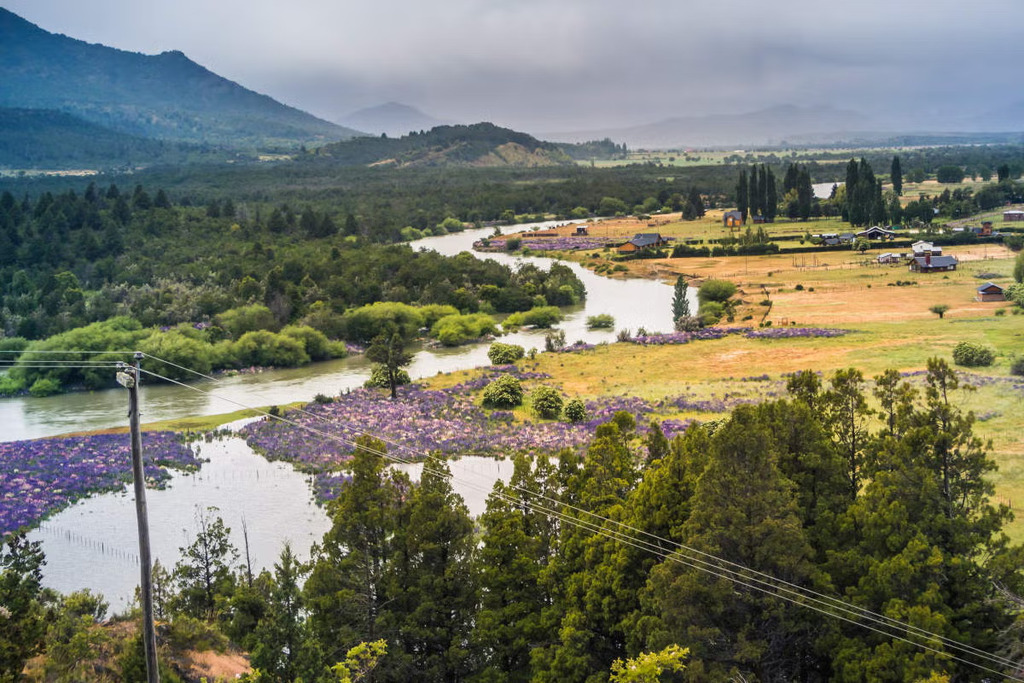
point(45, 475)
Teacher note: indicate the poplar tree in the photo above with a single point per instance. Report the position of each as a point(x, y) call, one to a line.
point(896, 176)
point(680, 305)
point(742, 196)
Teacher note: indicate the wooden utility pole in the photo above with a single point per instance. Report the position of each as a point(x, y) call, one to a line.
point(129, 377)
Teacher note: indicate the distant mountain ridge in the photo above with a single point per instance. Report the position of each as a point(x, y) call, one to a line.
point(166, 96)
point(480, 144)
point(392, 118)
point(766, 126)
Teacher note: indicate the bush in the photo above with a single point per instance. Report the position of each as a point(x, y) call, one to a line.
point(379, 377)
point(238, 321)
point(601, 321)
point(546, 403)
point(178, 349)
point(44, 386)
point(268, 349)
point(554, 340)
point(313, 341)
point(1017, 367)
point(453, 330)
point(973, 355)
point(575, 411)
point(715, 291)
point(504, 392)
point(543, 317)
point(366, 322)
point(710, 313)
point(504, 354)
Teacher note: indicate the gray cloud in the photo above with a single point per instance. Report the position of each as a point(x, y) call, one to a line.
point(541, 65)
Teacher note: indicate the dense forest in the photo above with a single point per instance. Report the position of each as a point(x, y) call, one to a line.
point(807, 538)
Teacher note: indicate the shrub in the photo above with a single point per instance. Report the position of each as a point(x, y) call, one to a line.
point(504, 392)
point(973, 355)
point(313, 341)
point(504, 354)
point(575, 411)
point(379, 377)
point(715, 290)
point(1017, 367)
point(602, 321)
point(238, 321)
point(44, 386)
point(546, 403)
point(542, 316)
point(453, 330)
point(366, 322)
point(266, 349)
point(554, 340)
point(711, 312)
point(178, 349)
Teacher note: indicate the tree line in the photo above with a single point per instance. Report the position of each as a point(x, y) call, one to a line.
point(645, 543)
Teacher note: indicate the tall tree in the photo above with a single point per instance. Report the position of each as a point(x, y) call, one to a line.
point(24, 618)
point(432, 583)
point(680, 305)
point(754, 192)
point(346, 592)
point(804, 193)
point(742, 194)
point(896, 176)
point(771, 197)
point(204, 575)
point(281, 639)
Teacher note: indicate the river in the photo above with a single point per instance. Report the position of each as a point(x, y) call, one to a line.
point(93, 543)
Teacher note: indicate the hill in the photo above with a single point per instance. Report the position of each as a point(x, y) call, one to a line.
point(480, 144)
point(766, 126)
point(392, 118)
point(166, 96)
point(48, 139)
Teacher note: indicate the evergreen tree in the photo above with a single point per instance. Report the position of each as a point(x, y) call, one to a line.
point(742, 194)
point(805, 194)
point(389, 351)
point(754, 192)
point(346, 592)
point(281, 640)
point(432, 584)
point(742, 511)
point(204, 575)
point(21, 597)
point(896, 176)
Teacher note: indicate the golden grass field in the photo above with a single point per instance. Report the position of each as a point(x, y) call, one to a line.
point(892, 328)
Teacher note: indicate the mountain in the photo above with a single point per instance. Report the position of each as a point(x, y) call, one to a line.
point(165, 96)
point(392, 119)
point(767, 126)
point(54, 140)
point(481, 144)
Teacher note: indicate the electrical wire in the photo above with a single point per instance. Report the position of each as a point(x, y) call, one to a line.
point(785, 591)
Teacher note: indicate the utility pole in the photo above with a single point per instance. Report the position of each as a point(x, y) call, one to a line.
point(129, 377)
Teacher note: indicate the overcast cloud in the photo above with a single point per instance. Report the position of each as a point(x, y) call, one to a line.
point(546, 65)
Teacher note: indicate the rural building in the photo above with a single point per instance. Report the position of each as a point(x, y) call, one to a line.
point(985, 230)
point(582, 231)
point(933, 264)
point(990, 292)
point(762, 219)
point(1013, 215)
point(922, 248)
point(876, 233)
point(732, 219)
point(846, 237)
point(642, 241)
point(890, 258)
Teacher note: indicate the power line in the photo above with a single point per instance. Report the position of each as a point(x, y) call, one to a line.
point(769, 585)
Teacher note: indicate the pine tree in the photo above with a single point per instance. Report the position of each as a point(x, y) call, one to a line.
point(346, 592)
point(205, 574)
point(771, 198)
point(432, 583)
point(754, 193)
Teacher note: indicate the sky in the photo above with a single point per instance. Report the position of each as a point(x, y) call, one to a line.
point(570, 65)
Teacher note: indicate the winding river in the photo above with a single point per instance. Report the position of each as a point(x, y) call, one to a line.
point(90, 545)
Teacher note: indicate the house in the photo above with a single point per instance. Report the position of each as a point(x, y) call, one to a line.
point(642, 241)
point(990, 292)
point(922, 248)
point(1013, 215)
point(762, 219)
point(933, 264)
point(890, 258)
point(831, 241)
point(581, 231)
point(732, 219)
point(986, 229)
point(876, 233)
